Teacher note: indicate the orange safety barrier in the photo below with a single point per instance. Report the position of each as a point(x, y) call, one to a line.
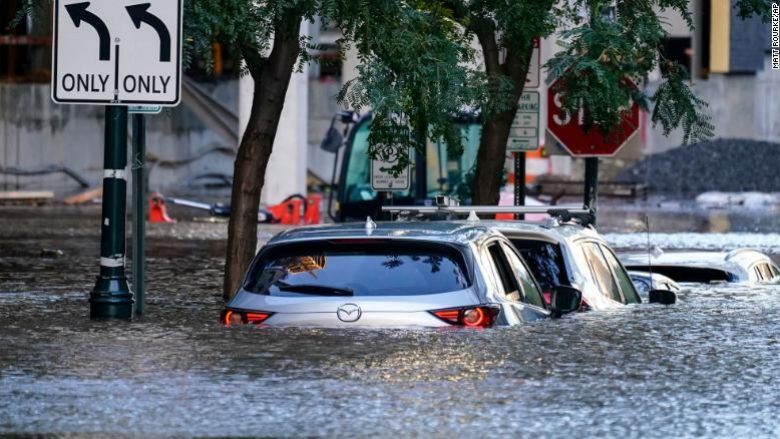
point(157, 211)
point(311, 214)
point(287, 212)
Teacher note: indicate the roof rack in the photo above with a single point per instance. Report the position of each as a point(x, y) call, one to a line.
point(563, 213)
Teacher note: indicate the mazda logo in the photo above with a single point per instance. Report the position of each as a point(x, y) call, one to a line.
point(349, 312)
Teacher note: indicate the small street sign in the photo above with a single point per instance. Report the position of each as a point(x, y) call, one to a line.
point(117, 52)
point(381, 177)
point(535, 66)
point(567, 130)
point(144, 109)
point(524, 133)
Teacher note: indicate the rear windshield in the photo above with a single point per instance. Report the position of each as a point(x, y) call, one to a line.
point(347, 268)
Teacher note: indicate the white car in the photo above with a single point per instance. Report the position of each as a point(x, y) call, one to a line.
point(562, 251)
point(645, 281)
point(575, 255)
point(741, 265)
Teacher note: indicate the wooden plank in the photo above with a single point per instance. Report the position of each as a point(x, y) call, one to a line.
point(84, 197)
point(25, 195)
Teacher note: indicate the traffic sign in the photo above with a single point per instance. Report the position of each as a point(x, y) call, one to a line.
point(535, 66)
point(568, 131)
point(381, 177)
point(117, 52)
point(524, 133)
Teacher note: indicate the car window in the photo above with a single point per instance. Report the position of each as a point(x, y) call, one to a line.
point(530, 292)
point(601, 272)
point(545, 261)
point(380, 268)
point(507, 282)
point(630, 294)
point(757, 274)
point(766, 272)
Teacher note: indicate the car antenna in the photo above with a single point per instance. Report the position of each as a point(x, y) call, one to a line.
point(649, 251)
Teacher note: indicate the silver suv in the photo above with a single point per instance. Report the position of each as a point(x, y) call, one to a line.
point(429, 273)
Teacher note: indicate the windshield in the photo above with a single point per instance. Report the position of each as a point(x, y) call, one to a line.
point(445, 174)
point(346, 268)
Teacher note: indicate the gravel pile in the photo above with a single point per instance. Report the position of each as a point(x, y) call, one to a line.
point(726, 165)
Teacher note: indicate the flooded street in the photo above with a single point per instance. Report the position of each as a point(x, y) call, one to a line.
point(706, 366)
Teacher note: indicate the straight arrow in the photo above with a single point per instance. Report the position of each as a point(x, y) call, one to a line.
point(140, 13)
point(78, 12)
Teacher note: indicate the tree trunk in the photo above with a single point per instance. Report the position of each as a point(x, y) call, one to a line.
point(272, 77)
point(495, 132)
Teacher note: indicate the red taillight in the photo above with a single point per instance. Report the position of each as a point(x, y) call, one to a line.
point(476, 317)
point(230, 317)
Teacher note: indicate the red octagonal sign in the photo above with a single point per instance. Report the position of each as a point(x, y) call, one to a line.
point(568, 131)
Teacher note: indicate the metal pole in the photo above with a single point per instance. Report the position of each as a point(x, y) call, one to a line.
point(139, 210)
point(591, 183)
point(519, 182)
point(111, 297)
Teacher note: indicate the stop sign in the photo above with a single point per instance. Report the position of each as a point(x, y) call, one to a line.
point(568, 130)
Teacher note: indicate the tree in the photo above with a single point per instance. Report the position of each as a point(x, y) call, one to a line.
point(604, 42)
point(266, 35)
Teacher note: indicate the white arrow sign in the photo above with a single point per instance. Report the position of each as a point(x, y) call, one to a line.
point(117, 52)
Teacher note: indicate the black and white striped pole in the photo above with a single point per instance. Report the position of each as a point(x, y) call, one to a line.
point(111, 297)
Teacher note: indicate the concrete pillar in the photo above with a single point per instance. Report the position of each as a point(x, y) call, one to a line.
point(286, 172)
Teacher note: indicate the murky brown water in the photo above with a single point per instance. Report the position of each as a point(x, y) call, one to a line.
point(707, 366)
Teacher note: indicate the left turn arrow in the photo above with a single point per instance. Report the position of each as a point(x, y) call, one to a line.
point(78, 12)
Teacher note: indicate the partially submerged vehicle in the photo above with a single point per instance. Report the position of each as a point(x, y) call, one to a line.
point(741, 265)
point(571, 253)
point(564, 251)
point(427, 273)
point(645, 282)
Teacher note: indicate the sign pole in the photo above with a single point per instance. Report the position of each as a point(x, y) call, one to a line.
point(139, 211)
point(519, 182)
point(111, 297)
point(591, 183)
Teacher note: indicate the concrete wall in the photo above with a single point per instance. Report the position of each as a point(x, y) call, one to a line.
point(35, 133)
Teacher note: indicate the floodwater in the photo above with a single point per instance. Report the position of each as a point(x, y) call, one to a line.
point(708, 366)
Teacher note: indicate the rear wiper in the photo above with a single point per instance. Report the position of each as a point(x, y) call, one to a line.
point(320, 290)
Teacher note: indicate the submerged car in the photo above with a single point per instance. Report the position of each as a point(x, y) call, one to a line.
point(741, 265)
point(387, 274)
point(563, 251)
point(573, 254)
point(645, 281)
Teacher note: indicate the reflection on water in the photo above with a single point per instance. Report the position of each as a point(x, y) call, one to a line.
point(707, 366)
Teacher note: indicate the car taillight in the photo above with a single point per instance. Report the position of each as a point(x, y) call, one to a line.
point(231, 317)
point(475, 317)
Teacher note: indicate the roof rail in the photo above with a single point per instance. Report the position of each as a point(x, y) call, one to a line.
point(563, 213)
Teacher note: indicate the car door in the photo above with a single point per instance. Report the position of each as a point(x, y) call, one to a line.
point(531, 293)
point(513, 286)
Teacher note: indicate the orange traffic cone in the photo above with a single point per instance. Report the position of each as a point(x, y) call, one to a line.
point(157, 212)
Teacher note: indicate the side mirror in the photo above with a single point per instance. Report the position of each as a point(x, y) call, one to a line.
point(565, 300)
point(664, 297)
point(333, 140)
